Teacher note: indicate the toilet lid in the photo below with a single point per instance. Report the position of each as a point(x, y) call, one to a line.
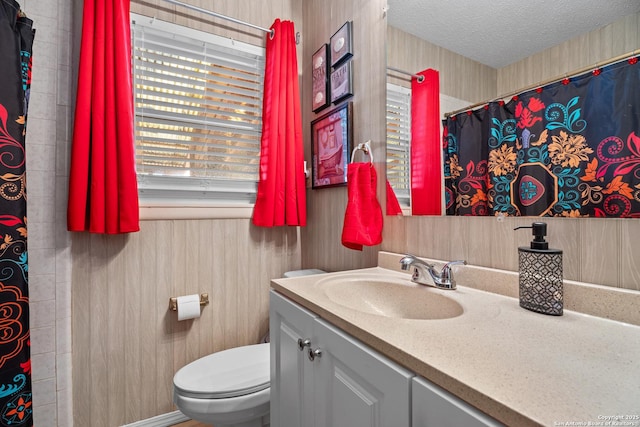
point(229, 373)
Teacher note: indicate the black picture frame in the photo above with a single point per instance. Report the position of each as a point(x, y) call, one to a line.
point(341, 44)
point(331, 142)
point(320, 74)
point(341, 82)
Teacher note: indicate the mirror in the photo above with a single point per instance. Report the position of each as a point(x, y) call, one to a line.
point(477, 64)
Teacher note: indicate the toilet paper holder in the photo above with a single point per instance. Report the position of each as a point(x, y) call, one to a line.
point(173, 301)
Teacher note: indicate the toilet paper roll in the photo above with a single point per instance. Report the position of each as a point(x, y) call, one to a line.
point(188, 307)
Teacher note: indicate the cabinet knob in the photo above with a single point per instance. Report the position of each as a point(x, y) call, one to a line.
point(303, 343)
point(312, 354)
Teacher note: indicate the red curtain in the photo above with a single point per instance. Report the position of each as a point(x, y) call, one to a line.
point(393, 206)
point(281, 198)
point(103, 193)
point(426, 174)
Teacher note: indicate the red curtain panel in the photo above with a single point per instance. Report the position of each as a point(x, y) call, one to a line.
point(393, 206)
point(103, 193)
point(281, 198)
point(426, 174)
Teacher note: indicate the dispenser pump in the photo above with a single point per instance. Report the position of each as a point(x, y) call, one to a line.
point(539, 230)
point(540, 273)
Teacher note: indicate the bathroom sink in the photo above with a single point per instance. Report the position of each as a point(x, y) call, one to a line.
point(390, 297)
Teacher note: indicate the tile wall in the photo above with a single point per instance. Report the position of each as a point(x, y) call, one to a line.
point(49, 244)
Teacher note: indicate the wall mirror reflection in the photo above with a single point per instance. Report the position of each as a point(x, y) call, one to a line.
point(490, 54)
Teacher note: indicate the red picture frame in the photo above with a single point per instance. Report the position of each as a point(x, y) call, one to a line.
point(332, 138)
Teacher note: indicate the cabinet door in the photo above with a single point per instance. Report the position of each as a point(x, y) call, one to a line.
point(291, 371)
point(435, 407)
point(356, 386)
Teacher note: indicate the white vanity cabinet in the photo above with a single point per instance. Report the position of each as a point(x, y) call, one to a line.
point(291, 372)
point(435, 407)
point(333, 379)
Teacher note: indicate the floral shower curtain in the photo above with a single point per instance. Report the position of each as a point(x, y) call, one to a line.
point(16, 41)
point(570, 149)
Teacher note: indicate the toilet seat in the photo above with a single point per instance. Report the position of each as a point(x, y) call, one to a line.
point(226, 374)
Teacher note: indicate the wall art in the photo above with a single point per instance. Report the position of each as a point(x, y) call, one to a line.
point(332, 136)
point(341, 44)
point(320, 69)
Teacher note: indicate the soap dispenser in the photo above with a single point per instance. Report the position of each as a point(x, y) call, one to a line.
point(540, 273)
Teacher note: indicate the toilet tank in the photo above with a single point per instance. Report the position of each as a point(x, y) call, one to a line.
point(307, 272)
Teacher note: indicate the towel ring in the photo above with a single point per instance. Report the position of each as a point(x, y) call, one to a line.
point(365, 147)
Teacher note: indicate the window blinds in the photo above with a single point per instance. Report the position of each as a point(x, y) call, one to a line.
point(198, 106)
point(398, 141)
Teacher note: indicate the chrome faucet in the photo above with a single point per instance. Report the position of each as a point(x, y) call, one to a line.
point(442, 280)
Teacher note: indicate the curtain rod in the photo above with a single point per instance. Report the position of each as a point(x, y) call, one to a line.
point(417, 76)
point(575, 73)
point(218, 15)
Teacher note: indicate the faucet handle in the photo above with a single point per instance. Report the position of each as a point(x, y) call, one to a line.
point(457, 262)
point(411, 260)
point(447, 273)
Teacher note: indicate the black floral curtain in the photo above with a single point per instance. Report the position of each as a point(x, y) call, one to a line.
point(571, 148)
point(16, 40)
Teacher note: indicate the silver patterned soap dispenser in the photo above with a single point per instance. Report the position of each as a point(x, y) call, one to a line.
point(540, 273)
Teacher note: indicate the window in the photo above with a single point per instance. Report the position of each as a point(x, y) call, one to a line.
point(398, 141)
point(198, 114)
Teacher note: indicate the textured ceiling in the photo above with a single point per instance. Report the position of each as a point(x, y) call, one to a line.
point(500, 32)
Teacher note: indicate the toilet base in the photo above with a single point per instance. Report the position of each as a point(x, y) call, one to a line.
point(242, 411)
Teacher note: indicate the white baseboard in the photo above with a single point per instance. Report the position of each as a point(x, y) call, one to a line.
point(164, 420)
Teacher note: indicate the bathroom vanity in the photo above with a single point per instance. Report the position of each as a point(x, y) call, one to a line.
point(322, 376)
point(369, 347)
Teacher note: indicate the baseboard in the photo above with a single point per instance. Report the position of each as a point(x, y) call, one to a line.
point(164, 420)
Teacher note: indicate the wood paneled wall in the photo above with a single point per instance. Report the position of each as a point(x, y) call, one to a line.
point(601, 251)
point(127, 345)
point(460, 77)
point(617, 38)
point(322, 246)
point(258, 12)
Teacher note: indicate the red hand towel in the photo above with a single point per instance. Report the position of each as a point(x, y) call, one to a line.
point(393, 206)
point(363, 216)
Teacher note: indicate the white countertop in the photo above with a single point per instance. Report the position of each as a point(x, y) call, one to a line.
point(520, 367)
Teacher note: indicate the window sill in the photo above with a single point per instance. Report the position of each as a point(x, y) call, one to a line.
point(159, 212)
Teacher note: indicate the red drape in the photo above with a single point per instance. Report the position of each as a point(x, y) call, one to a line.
point(281, 198)
point(426, 173)
point(103, 193)
point(393, 206)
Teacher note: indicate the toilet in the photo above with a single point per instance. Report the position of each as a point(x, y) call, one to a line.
point(230, 388)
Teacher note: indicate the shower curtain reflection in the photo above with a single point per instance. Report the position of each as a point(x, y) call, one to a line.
point(571, 149)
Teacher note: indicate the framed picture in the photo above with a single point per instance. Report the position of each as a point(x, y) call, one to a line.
point(341, 44)
point(320, 69)
point(341, 82)
point(331, 136)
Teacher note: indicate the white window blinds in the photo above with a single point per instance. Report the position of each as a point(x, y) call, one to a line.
point(398, 141)
point(198, 107)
